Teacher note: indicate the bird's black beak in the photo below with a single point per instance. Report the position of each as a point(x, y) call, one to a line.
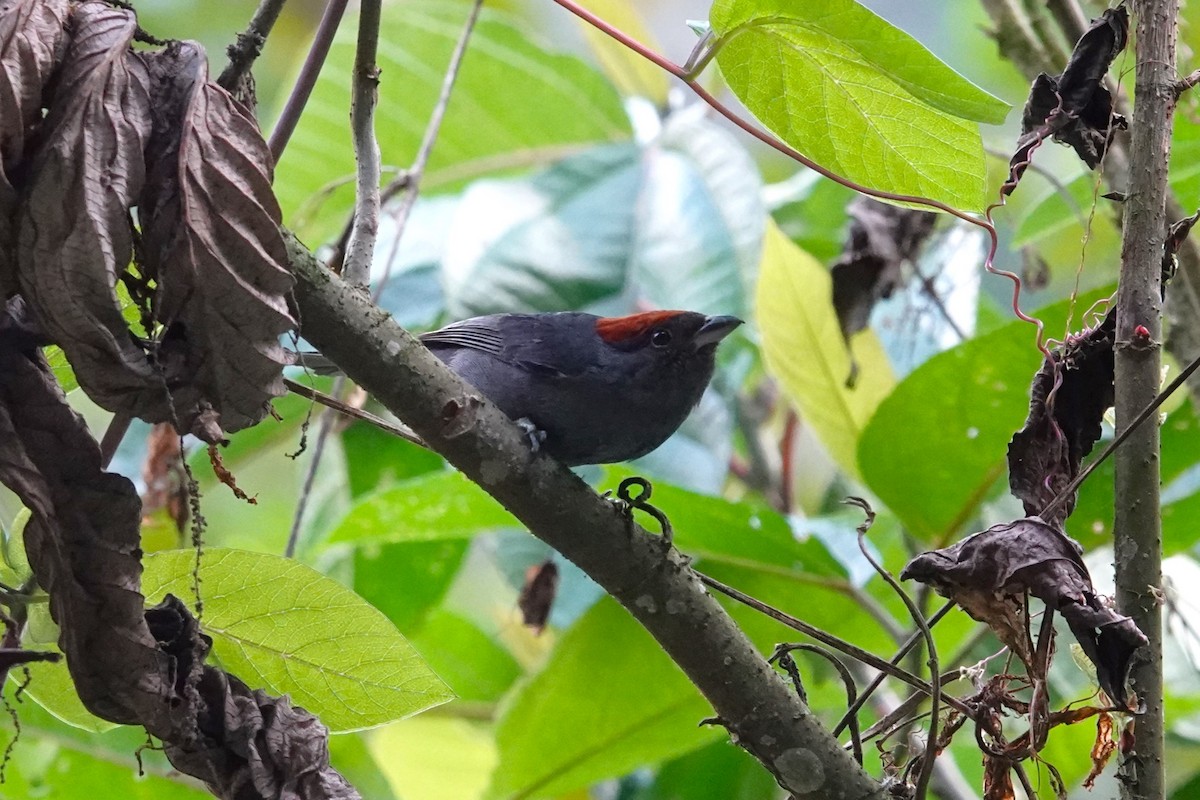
point(714, 330)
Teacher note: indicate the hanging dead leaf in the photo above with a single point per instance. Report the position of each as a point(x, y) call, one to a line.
point(537, 595)
point(1068, 398)
point(74, 235)
point(1102, 750)
point(1176, 234)
point(987, 572)
point(31, 44)
point(881, 239)
point(165, 478)
point(1075, 107)
point(211, 239)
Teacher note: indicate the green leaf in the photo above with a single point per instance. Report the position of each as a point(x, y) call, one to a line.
point(557, 734)
point(700, 218)
point(632, 74)
point(938, 444)
point(443, 505)
point(471, 662)
point(873, 40)
point(435, 757)
point(856, 95)
point(558, 240)
point(514, 105)
point(424, 569)
point(375, 459)
point(805, 350)
point(283, 627)
point(720, 770)
point(50, 685)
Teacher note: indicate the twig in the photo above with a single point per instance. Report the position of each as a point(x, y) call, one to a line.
point(322, 41)
point(1187, 82)
point(118, 426)
point(249, 44)
point(935, 697)
point(841, 645)
point(360, 249)
point(1142, 416)
point(350, 411)
point(782, 651)
point(905, 649)
point(310, 474)
point(409, 182)
point(689, 77)
point(787, 453)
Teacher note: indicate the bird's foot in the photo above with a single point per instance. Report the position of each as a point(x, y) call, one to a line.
point(536, 435)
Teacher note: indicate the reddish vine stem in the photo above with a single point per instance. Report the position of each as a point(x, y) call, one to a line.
point(689, 78)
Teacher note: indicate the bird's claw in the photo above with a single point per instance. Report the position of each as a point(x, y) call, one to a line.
point(536, 435)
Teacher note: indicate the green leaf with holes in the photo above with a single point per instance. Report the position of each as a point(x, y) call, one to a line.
point(286, 628)
point(857, 95)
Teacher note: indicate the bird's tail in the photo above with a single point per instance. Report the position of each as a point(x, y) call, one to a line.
point(316, 363)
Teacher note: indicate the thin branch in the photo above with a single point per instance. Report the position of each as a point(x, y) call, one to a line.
point(784, 651)
point(360, 249)
point(324, 429)
point(935, 697)
point(118, 426)
point(909, 643)
point(828, 639)
point(281, 134)
point(348, 410)
point(243, 53)
point(1188, 82)
point(1137, 522)
point(409, 183)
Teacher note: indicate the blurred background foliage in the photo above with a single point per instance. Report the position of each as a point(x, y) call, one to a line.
point(570, 174)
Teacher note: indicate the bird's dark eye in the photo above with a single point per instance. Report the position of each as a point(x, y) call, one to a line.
point(660, 338)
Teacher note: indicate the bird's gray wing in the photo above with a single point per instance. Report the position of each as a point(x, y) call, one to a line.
point(480, 333)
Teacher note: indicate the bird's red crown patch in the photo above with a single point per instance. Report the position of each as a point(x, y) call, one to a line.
point(621, 329)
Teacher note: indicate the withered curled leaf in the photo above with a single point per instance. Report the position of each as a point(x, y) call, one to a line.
point(537, 595)
point(1075, 107)
point(74, 237)
point(212, 241)
point(1068, 398)
point(32, 42)
point(987, 572)
point(881, 239)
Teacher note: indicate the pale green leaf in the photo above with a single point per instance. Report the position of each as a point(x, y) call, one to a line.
point(608, 701)
point(857, 95)
point(515, 105)
point(804, 349)
point(284, 627)
point(435, 758)
point(631, 73)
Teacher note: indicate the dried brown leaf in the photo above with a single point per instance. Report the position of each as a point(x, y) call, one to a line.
point(32, 42)
point(988, 571)
point(74, 237)
point(129, 664)
point(1075, 108)
point(537, 595)
point(164, 476)
point(1102, 750)
point(212, 240)
point(1068, 398)
point(881, 239)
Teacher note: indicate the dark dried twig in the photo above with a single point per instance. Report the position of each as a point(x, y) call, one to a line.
point(249, 44)
point(783, 651)
point(935, 696)
point(302, 90)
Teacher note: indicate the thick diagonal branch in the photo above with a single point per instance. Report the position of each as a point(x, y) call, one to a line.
point(653, 583)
